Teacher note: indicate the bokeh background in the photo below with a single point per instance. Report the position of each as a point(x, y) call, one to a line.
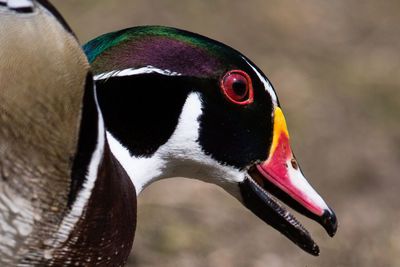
point(335, 66)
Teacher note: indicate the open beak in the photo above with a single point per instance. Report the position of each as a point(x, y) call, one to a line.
point(280, 176)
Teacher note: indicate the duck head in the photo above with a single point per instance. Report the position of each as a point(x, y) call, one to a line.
point(177, 104)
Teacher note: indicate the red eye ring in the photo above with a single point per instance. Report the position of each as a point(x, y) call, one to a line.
point(236, 86)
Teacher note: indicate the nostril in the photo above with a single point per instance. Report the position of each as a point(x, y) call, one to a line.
point(294, 164)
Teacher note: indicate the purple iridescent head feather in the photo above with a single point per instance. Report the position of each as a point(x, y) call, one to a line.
point(161, 47)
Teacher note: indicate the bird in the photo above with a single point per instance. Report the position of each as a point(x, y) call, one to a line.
point(178, 104)
point(84, 131)
point(64, 199)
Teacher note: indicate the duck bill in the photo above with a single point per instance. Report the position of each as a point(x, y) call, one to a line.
point(280, 176)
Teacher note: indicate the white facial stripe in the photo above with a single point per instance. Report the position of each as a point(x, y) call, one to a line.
point(180, 156)
point(84, 194)
point(267, 85)
point(132, 71)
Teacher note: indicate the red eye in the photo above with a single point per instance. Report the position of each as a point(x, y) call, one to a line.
point(236, 85)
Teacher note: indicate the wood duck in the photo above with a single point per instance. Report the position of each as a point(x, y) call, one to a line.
point(177, 104)
point(64, 198)
point(74, 155)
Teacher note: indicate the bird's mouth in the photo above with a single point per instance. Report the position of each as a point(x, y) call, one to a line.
point(280, 177)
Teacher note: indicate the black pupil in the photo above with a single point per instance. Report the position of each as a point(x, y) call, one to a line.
point(239, 88)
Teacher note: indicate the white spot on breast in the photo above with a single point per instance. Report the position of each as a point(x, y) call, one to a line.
point(24, 228)
point(48, 254)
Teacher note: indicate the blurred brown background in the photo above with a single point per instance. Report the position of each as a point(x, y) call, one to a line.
point(335, 66)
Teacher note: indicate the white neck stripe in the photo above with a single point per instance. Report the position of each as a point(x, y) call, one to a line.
point(133, 71)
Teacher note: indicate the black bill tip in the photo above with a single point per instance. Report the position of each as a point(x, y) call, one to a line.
point(328, 218)
point(329, 222)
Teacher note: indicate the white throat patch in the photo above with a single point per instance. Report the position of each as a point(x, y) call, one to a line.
point(181, 156)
